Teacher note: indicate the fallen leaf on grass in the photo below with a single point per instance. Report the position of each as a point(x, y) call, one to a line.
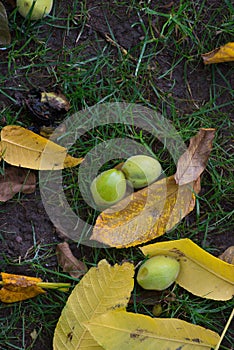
point(201, 273)
point(153, 210)
point(103, 288)
point(68, 262)
point(147, 214)
point(193, 162)
point(16, 180)
point(22, 147)
point(222, 54)
point(17, 288)
point(125, 330)
point(5, 36)
point(228, 255)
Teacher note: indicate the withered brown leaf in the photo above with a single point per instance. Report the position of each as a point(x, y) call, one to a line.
point(193, 162)
point(69, 262)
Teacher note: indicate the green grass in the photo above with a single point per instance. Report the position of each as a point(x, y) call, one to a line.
point(162, 70)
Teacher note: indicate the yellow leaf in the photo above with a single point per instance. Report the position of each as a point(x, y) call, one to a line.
point(124, 330)
point(17, 288)
point(222, 54)
point(103, 288)
point(147, 214)
point(201, 273)
point(22, 147)
point(193, 162)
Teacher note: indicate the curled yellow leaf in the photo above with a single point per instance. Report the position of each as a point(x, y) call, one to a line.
point(201, 273)
point(16, 288)
point(22, 147)
point(222, 54)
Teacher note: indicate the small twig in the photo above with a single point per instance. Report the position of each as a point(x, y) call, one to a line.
point(113, 43)
point(122, 49)
point(225, 330)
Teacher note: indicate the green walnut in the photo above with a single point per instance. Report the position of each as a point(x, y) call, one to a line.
point(108, 188)
point(158, 273)
point(141, 170)
point(41, 8)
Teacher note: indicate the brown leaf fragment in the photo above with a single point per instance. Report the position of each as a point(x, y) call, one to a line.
point(55, 100)
point(222, 54)
point(68, 261)
point(0, 151)
point(16, 180)
point(5, 36)
point(193, 162)
point(228, 255)
point(16, 288)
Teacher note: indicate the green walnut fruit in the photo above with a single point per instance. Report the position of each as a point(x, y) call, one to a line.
point(141, 170)
point(158, 273)
point(108, 188)
point(41, 8)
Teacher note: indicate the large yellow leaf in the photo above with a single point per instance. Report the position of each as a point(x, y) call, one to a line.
point(123, 330)
point(103, 288)
point(222, 54)
point(200, 272)
point(22, 147)
point(147, 214)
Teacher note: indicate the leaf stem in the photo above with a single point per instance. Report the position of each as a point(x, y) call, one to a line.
point(225, 330)
point(50, 285)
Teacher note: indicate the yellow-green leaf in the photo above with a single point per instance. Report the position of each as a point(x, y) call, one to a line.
point(123, 330)
point(22, 147)
point(146, 214)
point(222, 54)
point(201, 273)
point(103, 288)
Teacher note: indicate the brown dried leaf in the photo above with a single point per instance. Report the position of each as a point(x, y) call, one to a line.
point(145, 214)
point(68, 262)
point(17, 288)
point(0, 151)
point(55, 100)
point(16, 180)
point(228, 255)
point(5, 36)
point(222, 54)
point(193, 162)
